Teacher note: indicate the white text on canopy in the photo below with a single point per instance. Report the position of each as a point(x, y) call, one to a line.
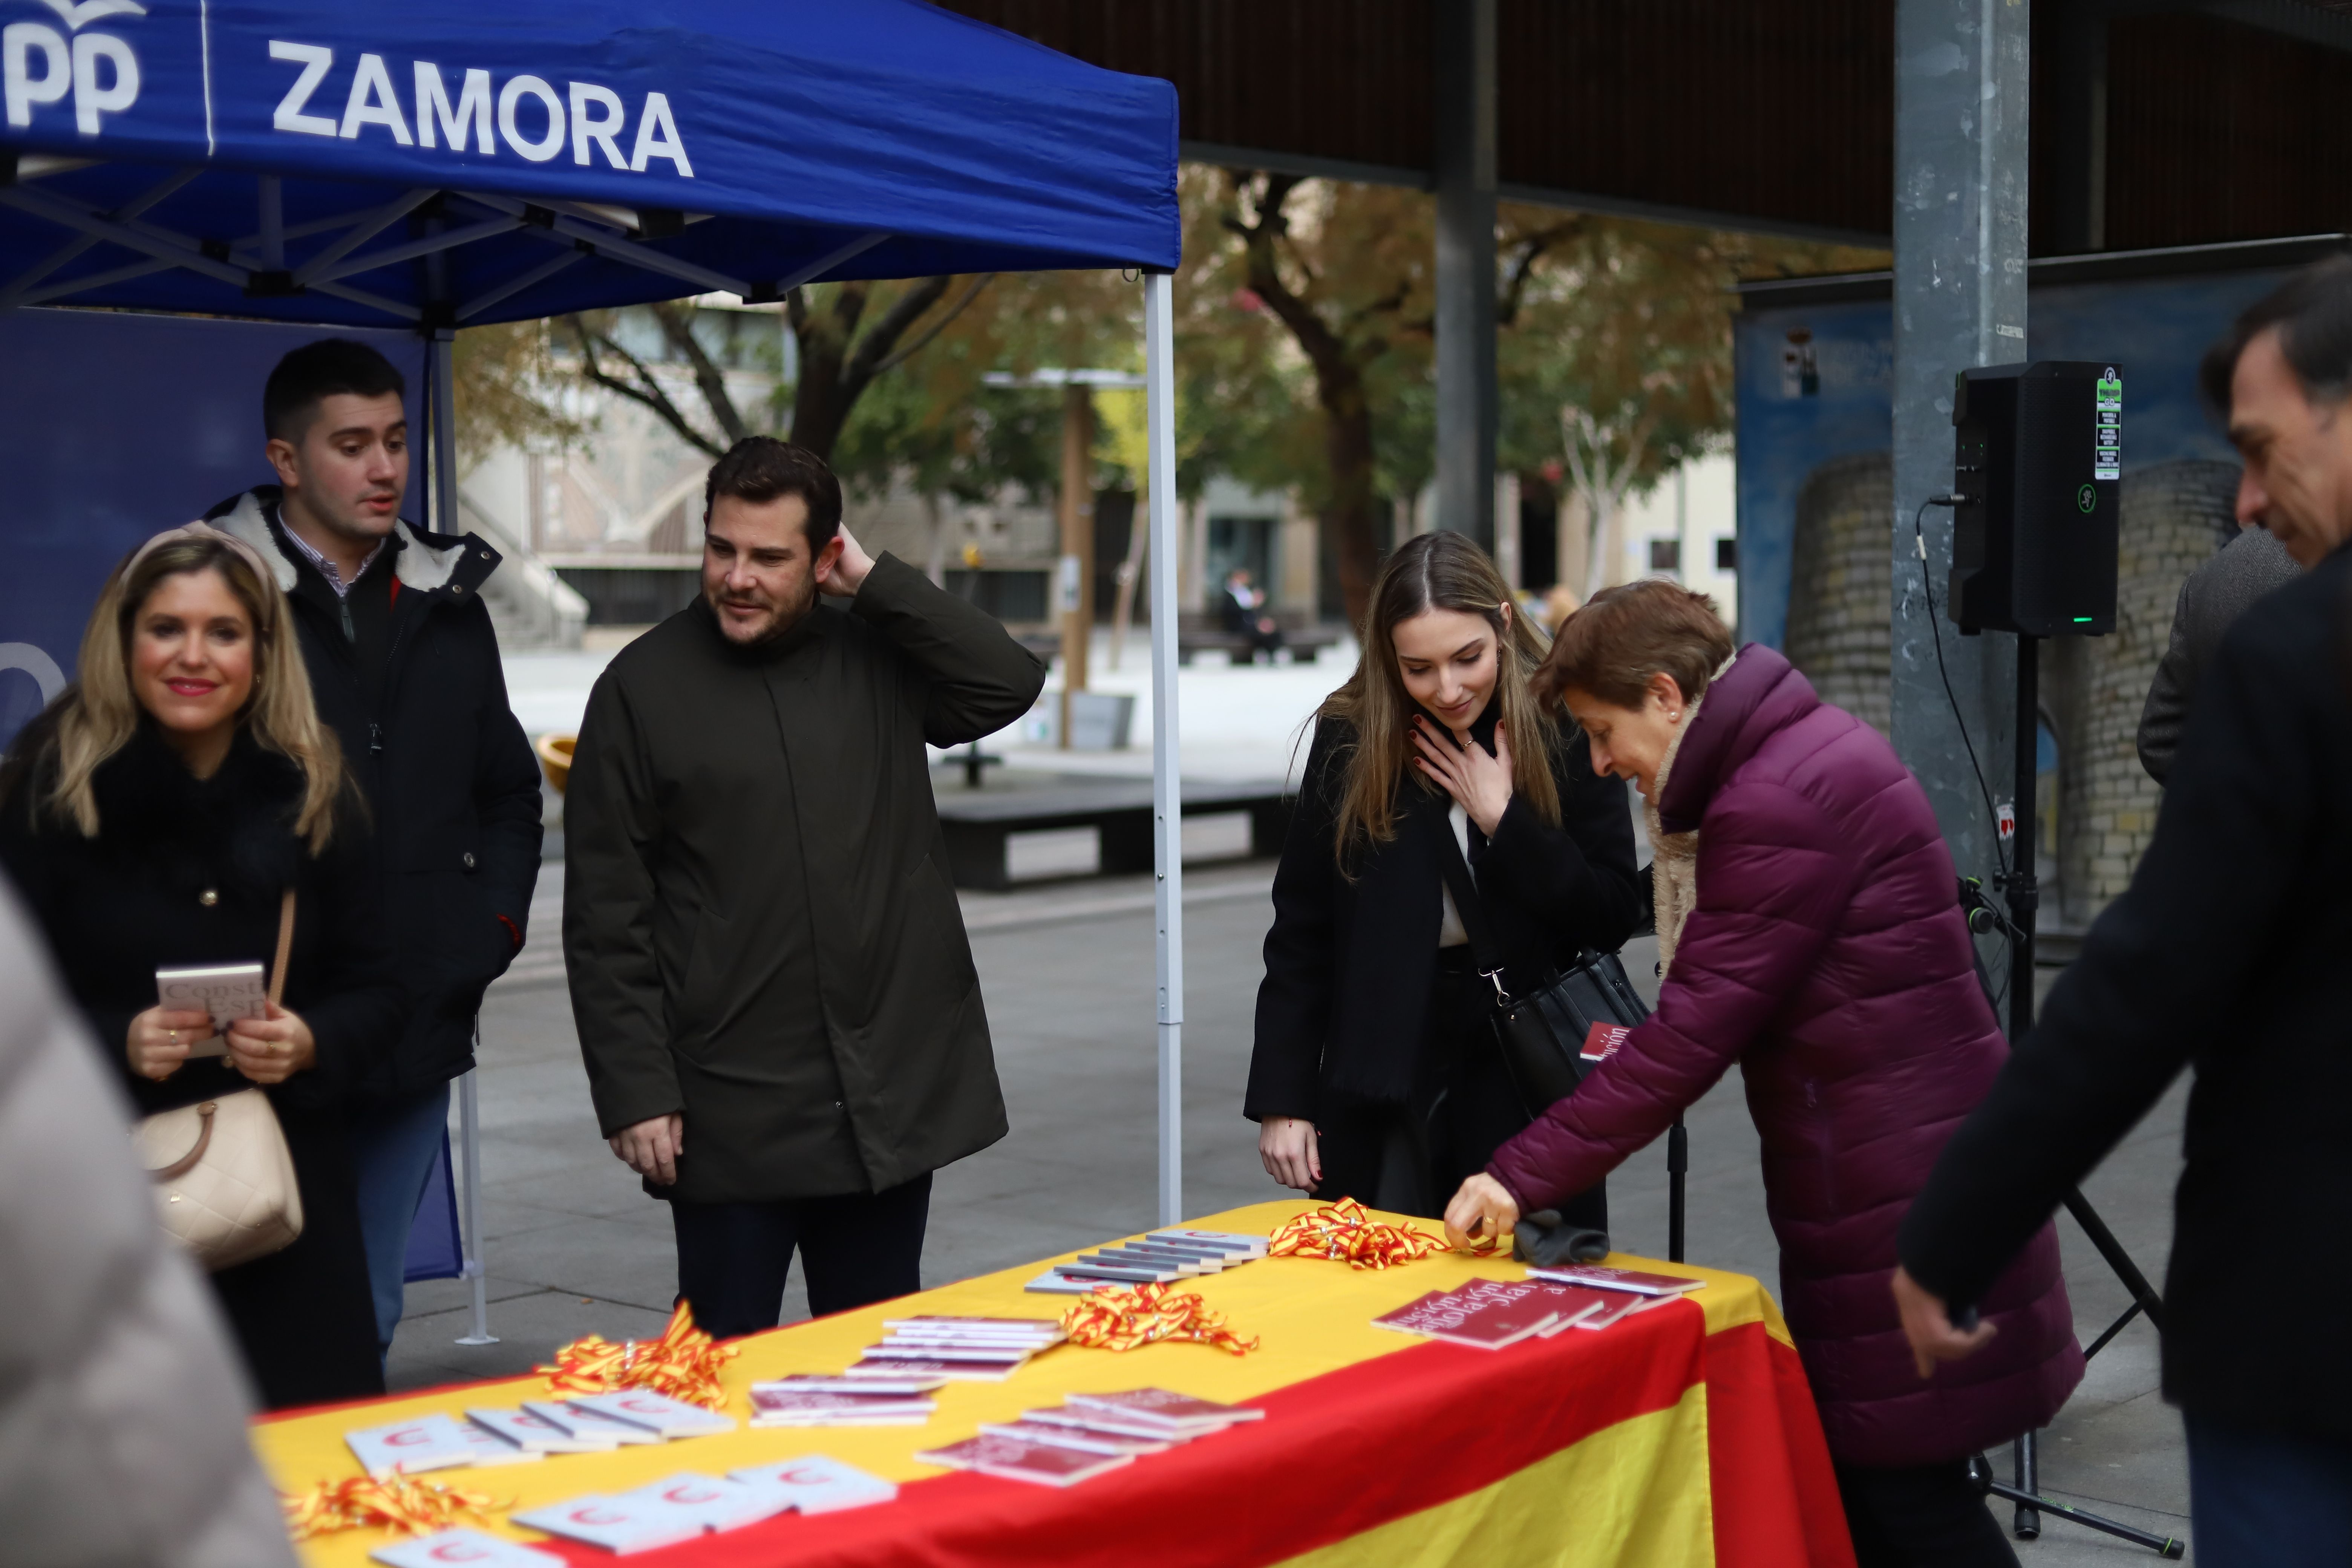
point(526, 112)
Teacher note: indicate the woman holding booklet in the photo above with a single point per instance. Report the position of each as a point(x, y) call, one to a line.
point(1376, 1075)
point(154, 817)
point(1808, 930)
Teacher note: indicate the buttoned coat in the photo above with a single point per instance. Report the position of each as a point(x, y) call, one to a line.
point(758, 919)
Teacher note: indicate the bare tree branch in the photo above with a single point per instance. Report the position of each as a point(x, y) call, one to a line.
point(864, 360)
point(922, 340)
point(644, 390)
point(677, 325)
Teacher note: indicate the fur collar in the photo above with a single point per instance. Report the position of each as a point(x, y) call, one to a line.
point(421, 561)
point(237, 824)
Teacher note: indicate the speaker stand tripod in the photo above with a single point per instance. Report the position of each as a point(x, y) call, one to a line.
point(2024, 900)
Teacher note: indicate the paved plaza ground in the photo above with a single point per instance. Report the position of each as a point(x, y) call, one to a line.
point(573, 1246)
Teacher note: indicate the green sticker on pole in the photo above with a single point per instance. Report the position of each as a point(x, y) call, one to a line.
point(2087, 497)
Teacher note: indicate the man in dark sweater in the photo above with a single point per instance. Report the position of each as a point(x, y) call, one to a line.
point(2227, 955)
point(775, 996)
point(2245, 569)
point(404, 667)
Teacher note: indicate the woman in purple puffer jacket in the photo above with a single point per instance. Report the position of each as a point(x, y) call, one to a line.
point(1808, 930)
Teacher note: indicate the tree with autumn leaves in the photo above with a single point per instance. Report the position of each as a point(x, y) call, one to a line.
point(1304, 334)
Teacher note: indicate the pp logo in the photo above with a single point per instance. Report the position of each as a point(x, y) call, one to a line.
point(40, 65)
point(2086, 500)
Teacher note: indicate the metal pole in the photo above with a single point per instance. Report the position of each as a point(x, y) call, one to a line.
point(470, 1152)
point(1960, 159)
point(1463, 71)
point(1167, 792)
point(440, 351)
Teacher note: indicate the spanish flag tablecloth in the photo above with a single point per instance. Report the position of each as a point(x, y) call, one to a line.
point(1680, 1436)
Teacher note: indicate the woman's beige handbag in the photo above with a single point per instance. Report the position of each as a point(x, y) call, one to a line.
point(224, 1177)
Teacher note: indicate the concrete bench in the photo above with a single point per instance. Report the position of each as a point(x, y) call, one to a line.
point(977, 822)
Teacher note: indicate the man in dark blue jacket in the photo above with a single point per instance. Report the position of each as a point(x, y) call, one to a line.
point(405, 668)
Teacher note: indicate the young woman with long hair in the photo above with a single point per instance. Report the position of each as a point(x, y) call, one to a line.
point(152, 817)
point(1375, 1075)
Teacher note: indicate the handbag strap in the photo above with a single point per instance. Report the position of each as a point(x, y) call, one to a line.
point(285, 948)
point(1484, 951)
point(189, 1160)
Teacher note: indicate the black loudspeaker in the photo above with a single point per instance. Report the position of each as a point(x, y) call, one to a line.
point(2036, 455)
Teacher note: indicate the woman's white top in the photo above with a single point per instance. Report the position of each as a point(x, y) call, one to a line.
point(1449, 925)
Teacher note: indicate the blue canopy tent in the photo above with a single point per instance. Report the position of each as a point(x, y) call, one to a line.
point(439, 165)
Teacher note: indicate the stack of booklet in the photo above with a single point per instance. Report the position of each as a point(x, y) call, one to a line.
point(1598, 1277)
point(1488, 1314)
point(1159, 1258)
point(956, 1350)
point(1089, 1434)
point(684, 1506)
point(808, 1400)
point(584, 1423)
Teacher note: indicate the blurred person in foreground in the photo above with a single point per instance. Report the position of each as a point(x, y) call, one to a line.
point(775, 995)
point(1807, 931)
point(151, 818)
point(404, 664)
point(122, 1407)
point(1376, 1075)
point(2227, 953)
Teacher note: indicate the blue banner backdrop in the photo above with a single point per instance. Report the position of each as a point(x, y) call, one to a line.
point(114, 427)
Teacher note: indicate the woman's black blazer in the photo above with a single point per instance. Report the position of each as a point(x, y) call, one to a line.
point(1348, 961)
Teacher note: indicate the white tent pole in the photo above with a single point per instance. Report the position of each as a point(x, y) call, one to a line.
point(1167, 798)
point(441, 354)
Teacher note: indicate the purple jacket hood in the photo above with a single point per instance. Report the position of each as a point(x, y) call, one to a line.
point(1827, 957)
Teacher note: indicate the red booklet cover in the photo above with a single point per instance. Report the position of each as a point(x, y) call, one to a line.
point(1577, 1304)
point(1486, 1313)
point(1600, 1276)
point(1178, 1412)
point(1048, 1463)
point(1600, 1042)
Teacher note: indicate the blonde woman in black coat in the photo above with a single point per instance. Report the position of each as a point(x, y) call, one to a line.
point(152, 817)
point(1375, 1075)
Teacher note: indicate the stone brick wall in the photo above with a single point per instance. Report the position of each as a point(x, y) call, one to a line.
point(2174, 517)
point(1839, 599)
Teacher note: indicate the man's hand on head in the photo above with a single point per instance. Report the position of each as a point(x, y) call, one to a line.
point(652, 1147)
point(841, 567)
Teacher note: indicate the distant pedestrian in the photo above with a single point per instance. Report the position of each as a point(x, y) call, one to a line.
point(153, 817)
point(1246, 615)
point(2214, 596)
point(404, 665)
point(774, 992)
point(2227, 954)
point(1808, 932)
point(1376, 1075)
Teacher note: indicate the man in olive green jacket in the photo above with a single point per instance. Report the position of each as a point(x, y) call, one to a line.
point(769, 972)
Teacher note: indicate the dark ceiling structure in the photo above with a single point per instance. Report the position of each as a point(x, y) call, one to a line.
point(2155, 123)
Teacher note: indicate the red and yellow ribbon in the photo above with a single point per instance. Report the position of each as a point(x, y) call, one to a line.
point(1112, 1320)
point(683, 1363)
point(1344, 1232)
point(402, 1504)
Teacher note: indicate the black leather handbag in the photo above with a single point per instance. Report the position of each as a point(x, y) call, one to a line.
point(1541, 1033)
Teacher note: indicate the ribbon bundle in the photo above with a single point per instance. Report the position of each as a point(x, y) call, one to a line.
point(399, 1503)
point(1346, 1234)
point(1112, 1320)
point(683, 1363)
